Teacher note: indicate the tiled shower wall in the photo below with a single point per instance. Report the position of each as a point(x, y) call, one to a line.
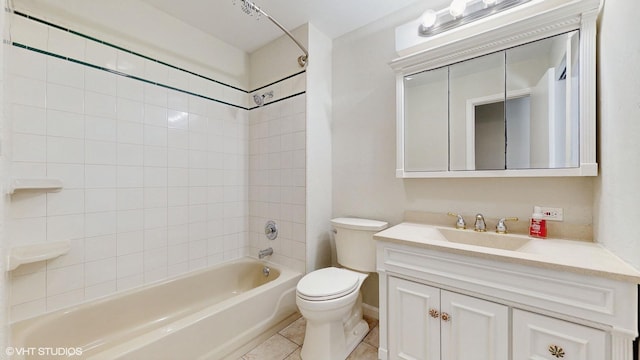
point(277, 180)
point(155, 179)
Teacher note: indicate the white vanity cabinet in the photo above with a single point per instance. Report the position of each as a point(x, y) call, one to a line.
point(430, 323)
point(543, 337)
point(498, 306)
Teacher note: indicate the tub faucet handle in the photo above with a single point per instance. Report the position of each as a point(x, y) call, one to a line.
point(480, 225)
point(460, 224)
point(501, 227)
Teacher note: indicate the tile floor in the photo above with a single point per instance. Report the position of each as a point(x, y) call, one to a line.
point(287, 344)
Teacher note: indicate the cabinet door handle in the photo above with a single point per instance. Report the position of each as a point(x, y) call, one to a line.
point(445, 317)
point(434, 313)
point(556, 351)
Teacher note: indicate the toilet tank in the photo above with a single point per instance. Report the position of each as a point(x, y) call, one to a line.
point(355, 246)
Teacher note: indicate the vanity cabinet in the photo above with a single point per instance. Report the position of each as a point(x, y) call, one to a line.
point(429, 323)
point(542, 337)
point(497, 307)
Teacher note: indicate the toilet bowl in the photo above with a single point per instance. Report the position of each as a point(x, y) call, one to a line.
point(330, 300)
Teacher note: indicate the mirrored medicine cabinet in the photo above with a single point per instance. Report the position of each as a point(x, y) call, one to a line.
point(521, 106)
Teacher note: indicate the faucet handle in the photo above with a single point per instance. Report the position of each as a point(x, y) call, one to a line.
point(460, 224)
point(480, 225)
point(501, 227)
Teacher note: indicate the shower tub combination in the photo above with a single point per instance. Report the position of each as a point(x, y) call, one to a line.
point(208, 314)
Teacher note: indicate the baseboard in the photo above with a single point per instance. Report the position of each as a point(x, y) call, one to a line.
point(370, 311)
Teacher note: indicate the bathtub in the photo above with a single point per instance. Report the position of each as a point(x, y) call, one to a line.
point(207, 314)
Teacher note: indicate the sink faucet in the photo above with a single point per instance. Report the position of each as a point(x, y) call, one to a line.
point(460, 224)
point(501, 227)
point(265, 252)
point(480, 225)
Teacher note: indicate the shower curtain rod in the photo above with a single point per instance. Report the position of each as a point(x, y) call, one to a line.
point(302, 59)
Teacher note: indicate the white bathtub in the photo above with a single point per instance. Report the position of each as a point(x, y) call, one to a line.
point(207, 314)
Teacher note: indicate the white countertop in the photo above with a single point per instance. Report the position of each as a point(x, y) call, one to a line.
point(576, 256)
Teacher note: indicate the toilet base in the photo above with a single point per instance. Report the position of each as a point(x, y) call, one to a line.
point(355, 336)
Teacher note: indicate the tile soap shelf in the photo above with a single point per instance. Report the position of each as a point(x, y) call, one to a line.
point(17, 184)
point(27, 254)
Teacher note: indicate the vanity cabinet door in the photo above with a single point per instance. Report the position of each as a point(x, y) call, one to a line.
point(541, 337)
point(472, 328)
point(414, 320)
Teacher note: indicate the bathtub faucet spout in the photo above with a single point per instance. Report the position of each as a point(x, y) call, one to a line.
point(265, 252)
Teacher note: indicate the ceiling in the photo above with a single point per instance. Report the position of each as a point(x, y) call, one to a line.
point(225, 20)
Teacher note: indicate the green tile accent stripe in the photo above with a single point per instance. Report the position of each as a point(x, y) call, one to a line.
point(27, 16)
point(123, 74)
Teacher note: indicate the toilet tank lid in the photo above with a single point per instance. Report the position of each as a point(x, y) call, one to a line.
point(359, 224)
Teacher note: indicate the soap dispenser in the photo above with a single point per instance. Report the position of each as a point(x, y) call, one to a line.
point(538, 226)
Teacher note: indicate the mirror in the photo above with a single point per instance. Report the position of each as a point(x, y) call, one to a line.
point(515, 109)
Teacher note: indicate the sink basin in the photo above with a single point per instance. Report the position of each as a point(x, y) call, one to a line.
point(484, 239)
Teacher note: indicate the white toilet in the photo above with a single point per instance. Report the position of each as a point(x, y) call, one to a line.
point(329, 299)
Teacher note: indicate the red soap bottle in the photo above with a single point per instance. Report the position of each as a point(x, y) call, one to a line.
point(538, 226)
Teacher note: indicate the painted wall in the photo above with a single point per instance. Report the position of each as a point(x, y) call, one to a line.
point(617, 196)
point(364, 150)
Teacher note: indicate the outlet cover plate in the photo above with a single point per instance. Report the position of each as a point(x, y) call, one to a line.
point(552, 214)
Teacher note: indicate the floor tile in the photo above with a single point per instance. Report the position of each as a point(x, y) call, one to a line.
point(364, 352)
point(295, 331)
point(372, 337)
point(295, 355)
point(276, 347)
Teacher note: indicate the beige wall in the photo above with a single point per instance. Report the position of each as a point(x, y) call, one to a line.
point(364, 151)
point(617, 198)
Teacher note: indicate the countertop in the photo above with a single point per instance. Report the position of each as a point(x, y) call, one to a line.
point(566, 255)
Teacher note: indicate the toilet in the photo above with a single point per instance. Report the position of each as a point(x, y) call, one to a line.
point(329, 299)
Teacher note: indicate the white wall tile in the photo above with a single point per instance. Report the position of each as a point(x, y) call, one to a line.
point(156, 72)
point(64, 43)
point(100, 152)
point(155, 197)
point(155, 115)
point(130, 221)
point(155, 177)
point(129, 265)
point(65, 202)
point(63, 72)
point(155, 156)
point(130, 110)
point(102, 105)
point(65, 150)
point(130, 154)
point(100, 128)
point(75, 256)
point(100, 271)
point(130, 198)
point(100, 247)
point(27, 205)
point(29, 92)
point(131, 89)
point(28, 309)
point(100, 81)
point(60, 301)
point(100, 290)
point(130, 132)
point(130, 242)
point(65, 98)
point(65, 279)
point(155, 218)
point(155, 238)
point(100, 55)
point(30, 148)
point(155, 95)
point(28, 288)
point(130, 176)
point(65, 124)
point(130, 64)
point(28, 119)
point(29, 32)
point(100, 176)
point(103, 223)
point(130, 282)
point(71, 175)
point(65, 227)
point(97, 200)
point(27, 63)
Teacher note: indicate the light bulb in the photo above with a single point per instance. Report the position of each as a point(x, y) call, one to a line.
point(489, 2)
point(457, 7)
point(428, 19)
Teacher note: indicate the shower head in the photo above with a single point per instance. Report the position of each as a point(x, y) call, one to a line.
point(249, 8)
point(259, 99)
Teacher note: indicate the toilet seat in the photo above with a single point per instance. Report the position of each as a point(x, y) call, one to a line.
point(327, 284)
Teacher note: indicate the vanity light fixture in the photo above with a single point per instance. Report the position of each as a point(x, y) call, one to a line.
point(461, 12)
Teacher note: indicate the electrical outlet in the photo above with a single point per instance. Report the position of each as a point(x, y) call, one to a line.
point(552, 214)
